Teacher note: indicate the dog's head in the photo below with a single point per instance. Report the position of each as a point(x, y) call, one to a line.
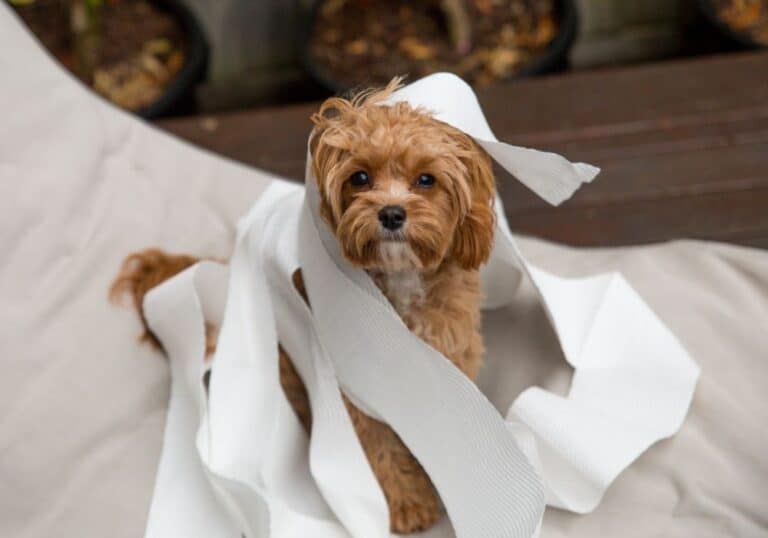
point(400, 189)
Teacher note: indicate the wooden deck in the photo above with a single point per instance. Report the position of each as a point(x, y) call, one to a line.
point(683, 146)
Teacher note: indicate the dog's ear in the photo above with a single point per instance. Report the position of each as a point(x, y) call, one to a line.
point(473, 240)
point(326, 117)
point(324, 155)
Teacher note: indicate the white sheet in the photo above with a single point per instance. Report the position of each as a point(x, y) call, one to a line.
point(82, 404)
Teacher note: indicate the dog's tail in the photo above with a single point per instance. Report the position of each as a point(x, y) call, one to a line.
point(141, 272)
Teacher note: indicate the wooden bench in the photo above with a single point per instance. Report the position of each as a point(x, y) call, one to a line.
point(683, 146)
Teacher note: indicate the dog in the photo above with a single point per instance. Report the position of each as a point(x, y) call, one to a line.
point(409, 200)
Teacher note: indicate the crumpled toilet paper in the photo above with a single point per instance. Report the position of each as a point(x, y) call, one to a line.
point(236, 460)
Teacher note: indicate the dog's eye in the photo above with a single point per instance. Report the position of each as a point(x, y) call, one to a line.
point(425, 180)
point(359, 179)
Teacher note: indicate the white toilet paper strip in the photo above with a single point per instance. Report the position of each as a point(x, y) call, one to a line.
point(252, 470)
point(452, 100)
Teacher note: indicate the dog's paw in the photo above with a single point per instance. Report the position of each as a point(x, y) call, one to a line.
point(415, 516)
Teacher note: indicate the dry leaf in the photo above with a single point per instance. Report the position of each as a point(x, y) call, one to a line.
point(502, 61)
point(356, 47)
point(416, 49)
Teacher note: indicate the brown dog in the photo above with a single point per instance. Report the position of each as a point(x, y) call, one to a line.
point(409, 200)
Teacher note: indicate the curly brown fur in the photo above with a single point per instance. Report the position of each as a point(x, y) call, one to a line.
point(428, 269)
point(142, 271)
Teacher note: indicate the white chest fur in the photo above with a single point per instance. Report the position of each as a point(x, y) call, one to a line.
point(403, 289)
point(400, 279)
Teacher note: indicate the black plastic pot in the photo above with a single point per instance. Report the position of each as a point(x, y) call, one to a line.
point(738, 40)
point(178, 97)
point(554, 59)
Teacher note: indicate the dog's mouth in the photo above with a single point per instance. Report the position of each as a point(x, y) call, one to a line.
point(390, 235)
point(397, 236)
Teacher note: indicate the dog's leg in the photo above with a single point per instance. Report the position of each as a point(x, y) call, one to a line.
point(414, 505)
point(413, 502)
point(294, 390)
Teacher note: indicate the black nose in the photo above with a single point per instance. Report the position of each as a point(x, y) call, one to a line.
point(392, 217)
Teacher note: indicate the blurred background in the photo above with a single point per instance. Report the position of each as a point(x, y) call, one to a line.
point(180, 57)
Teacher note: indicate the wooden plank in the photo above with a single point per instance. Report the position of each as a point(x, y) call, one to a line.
point(272, 139)
point(633, 97)
point(670, 165)
point(739, 216)
point(683, 146)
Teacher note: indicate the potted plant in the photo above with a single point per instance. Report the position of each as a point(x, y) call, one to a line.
point(743, 23)
point(143, 55)
point(353, 42)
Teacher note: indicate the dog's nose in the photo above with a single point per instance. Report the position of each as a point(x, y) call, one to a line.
point(392, 217)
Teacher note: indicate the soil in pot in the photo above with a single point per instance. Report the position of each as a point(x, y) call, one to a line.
point(373, 40)
point(139, 48)
point(746, 17)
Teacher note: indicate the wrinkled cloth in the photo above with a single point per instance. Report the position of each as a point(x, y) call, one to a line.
point(83, 404)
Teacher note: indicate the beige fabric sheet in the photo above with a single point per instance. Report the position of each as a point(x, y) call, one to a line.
point(711, 479)
point(82, 404)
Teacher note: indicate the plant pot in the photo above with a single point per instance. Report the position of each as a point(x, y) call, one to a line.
point(736, 39)
point(178, 96)
point(554, 58)
point(108, 38)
